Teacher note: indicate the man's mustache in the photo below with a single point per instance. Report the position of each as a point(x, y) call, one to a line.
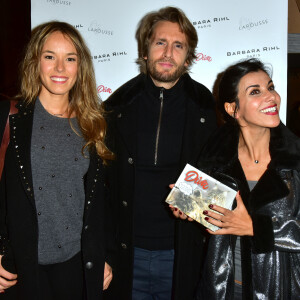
point(170, 60)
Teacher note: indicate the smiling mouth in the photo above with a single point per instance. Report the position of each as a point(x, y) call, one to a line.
point(270, 109)
point(60, 79)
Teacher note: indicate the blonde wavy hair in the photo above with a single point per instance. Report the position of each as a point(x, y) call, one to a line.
point(83, 96)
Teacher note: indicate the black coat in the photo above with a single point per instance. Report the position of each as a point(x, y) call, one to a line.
point(18, 216)
point(270, 259)
point(122, 116)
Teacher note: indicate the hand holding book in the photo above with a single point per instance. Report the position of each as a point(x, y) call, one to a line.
point(236, 222)
point(197, 196)
point(194, 191)
point(177, 212)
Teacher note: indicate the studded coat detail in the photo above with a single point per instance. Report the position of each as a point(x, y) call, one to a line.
point(18, 216)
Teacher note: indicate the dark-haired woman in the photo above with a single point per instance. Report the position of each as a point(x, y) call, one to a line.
point(52, 214)
point(256, 252)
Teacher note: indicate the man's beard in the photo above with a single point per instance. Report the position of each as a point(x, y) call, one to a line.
point(165, 76)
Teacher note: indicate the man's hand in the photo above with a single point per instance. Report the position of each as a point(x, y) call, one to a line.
point(108, 275)
point(7, 279)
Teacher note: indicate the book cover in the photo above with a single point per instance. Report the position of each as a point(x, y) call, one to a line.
point(195, 190)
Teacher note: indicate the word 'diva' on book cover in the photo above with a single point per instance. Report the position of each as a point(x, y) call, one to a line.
point(194, 191)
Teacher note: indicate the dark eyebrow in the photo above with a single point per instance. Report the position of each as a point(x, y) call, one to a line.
point(250, 86)
point(162, 40)
point(257, 85)
point(49, 51)
point(176, 42)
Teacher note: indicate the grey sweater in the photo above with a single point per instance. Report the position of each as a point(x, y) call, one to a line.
point(58, 168)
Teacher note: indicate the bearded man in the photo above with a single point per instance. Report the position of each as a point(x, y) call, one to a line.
point(157, 122)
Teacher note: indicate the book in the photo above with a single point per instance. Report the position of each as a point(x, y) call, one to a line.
point(194, 191)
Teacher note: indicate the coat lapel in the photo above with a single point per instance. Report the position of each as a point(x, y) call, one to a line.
point(200, 122)
point(269, 188)
point(20, 139)
point(92, 179)
point(198, 127)
point(126, 123)
point(192, 132)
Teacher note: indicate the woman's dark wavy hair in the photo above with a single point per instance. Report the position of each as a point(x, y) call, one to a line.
point(229, 83)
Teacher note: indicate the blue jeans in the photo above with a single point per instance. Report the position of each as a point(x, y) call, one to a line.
point(152, 274)
point(238, 295)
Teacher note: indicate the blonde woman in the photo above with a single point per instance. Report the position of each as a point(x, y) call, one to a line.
point(53, 242)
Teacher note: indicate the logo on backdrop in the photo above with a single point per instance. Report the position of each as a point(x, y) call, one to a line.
point(208, 23)
point(105, 57)
point(247, 24)
point(59, 2)
point(98, 29)
point(78, 26)
point(255, 52)
point(202, 56)
point(103, 89)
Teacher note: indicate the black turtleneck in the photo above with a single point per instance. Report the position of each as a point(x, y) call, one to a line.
point(158, 157)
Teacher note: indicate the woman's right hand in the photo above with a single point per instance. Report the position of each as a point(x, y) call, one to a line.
point(179, 214)
point(7, 279)
point(176, 212)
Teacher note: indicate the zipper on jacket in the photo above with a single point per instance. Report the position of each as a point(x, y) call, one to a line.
point(161, 98)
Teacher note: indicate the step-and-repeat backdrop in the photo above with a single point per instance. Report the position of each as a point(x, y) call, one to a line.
point(228, 31)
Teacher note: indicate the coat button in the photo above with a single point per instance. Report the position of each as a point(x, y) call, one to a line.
point(125, 204)
point(124, 246)
point(202, 120)
point(89, 265)
point(130, 160)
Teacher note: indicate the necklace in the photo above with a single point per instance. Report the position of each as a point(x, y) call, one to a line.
point(256, 161)
point(61, 114)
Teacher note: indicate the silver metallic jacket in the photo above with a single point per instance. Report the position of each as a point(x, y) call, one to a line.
point(271, 258)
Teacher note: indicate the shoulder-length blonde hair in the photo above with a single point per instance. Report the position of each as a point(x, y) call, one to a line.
point(83, 97)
